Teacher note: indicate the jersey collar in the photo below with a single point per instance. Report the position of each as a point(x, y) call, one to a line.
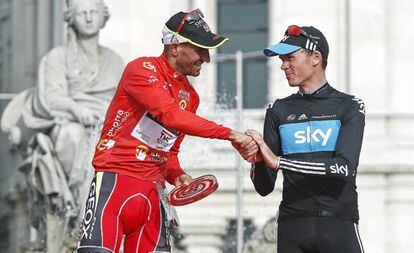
point(321, 90)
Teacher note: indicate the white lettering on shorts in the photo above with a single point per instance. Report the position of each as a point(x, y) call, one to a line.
point(89, 218)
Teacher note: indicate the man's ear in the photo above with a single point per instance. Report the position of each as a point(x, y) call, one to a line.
point(317, 58)
point(174, 49)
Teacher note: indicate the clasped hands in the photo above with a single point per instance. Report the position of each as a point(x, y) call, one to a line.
point(252, 148)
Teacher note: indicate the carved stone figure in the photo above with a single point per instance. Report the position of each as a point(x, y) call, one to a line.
point(53, 124)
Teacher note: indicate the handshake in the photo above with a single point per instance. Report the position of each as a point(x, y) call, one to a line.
point(252, 148)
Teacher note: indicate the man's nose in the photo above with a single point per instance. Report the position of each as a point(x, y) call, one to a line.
point(284, 65)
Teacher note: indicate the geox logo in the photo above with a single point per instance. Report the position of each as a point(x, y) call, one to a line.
point(89, 219)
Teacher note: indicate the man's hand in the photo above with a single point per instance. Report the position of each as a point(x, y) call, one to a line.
point(183, 179)
point(85, 116)
point(244, 144)
point(265, 153)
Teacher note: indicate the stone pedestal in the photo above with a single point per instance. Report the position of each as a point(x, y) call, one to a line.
point(372, 195)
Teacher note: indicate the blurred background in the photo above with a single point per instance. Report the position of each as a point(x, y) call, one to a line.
point(370, 57)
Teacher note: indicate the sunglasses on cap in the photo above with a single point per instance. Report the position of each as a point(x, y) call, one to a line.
point(190, 18)
point(294, 30)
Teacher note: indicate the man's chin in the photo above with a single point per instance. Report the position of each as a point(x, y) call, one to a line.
point(292, 84)
point(195, 73)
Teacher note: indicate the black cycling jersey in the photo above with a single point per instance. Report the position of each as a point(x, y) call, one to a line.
point(318, 137)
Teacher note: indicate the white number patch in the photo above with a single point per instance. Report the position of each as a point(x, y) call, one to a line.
point(153, 134)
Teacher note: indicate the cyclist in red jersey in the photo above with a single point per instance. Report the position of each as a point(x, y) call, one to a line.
point(152, 110)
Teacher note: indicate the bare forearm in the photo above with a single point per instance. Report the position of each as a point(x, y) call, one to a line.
point(64, 104)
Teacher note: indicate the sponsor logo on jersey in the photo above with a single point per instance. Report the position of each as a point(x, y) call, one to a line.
point(182, 104)
point(89, 219)
point(361, 105)
point(148, 65)
point(120, 118)
point(157, 158)
point(141, 152)
point(270, 105)
point(311, 136)
point(302, 117)
point(165, 137)
point(105, 144)
point(323, 116)
point(291, 117)
point(152, 79)
point(308, 135)
point(183, 94)
point(339, 169)
point(166, 85)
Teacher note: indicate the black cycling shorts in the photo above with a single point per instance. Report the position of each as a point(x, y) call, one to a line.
point(318, 235)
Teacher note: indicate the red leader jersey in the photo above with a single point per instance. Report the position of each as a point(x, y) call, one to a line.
point(153, 107)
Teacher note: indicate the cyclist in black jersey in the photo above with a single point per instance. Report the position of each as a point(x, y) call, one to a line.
point(314, 137)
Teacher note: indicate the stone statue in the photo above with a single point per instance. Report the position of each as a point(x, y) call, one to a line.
point(53, 124)
point(263, 240)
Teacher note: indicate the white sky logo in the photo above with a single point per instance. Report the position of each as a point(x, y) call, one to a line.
point(339, 169)
point(306, 136)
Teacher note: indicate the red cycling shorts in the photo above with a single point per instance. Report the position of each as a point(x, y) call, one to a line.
point(118, 206)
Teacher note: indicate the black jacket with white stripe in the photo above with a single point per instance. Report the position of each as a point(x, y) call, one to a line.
point(319, 138)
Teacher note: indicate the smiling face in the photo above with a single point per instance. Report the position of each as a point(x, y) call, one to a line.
point(189, 59)
point(88, 17)
point(298, 67)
